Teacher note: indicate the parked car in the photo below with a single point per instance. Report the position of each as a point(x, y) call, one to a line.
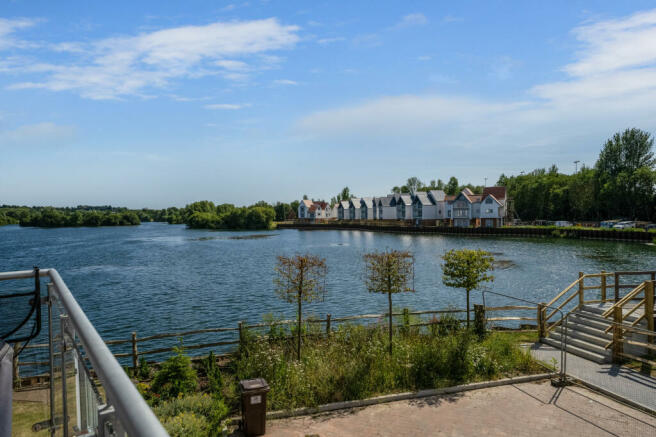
point(563, 223)
point(609, 223)
point(650, 227)
point(624, 225)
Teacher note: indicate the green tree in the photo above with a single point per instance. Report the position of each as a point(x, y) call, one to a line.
point(414, 184)
point(468, 269)
point(389, 272)
point(300, 278)
point(452, 186)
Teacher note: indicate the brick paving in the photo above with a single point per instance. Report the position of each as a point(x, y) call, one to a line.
point(529, 409)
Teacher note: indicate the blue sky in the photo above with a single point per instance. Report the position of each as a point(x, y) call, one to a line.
point(153, 104)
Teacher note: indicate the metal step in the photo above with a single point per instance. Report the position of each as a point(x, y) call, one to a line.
point(580, 343)
point(592, 356)
point(574, 333)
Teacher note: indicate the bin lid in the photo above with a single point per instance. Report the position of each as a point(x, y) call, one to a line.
point(254, 384)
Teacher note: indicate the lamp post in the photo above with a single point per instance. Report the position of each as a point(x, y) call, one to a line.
point(576, 166)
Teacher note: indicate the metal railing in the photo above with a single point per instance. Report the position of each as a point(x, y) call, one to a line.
point(90, 393)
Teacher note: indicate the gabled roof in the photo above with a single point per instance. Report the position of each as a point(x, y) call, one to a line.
point(499, 193)
point(422, 197)
point(450, 198)
point(437, 195)
point(367, 201)
point(467, 191)
point(405, 198)
point(386, 201)
point(344, 204)
point(307, 203)
point(355, 202)
point(493, 198)
point(321, 204)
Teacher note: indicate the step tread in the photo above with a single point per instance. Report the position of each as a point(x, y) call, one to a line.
point(601, 340)
point(589, 330)
point(583, 344)
point(592, 356)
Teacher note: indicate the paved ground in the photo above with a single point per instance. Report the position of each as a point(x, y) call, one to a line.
point(625, 382)
point(530, 409)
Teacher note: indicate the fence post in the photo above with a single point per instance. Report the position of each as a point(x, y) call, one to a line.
point(135, 353)
point(328, 325)
point(617, 335)
point(581, 290)
point(617, 287)
point(479, 320)
point(15, 367)
point(649, 312)
point(603, 286)
point(241, 334)
point(540, 320)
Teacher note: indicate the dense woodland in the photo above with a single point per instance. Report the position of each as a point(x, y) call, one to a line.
point(622, 184)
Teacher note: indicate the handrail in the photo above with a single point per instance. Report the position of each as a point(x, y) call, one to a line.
point(625, 299)
point(132, 410)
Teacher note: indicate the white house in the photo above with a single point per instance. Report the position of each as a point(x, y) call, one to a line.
point(422, 208)
point(367, 208)
point(354, 209)
point(304, 209)
point(487, 210)
point(387, 207)
point(343, 210)
point(438, 199)
point(404, 207)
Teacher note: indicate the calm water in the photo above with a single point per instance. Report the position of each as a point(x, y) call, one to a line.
point(161, 278)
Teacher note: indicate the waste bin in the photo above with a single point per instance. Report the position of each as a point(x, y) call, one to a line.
point(253, 405)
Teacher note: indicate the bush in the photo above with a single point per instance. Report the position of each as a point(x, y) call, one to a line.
point(175, 377)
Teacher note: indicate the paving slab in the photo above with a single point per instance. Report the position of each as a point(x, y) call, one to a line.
point(618, 380)
point(530, 409)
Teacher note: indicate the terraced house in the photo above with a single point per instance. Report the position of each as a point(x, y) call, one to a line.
point(428, 208)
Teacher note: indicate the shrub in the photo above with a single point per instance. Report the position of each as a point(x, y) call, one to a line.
point(175, 377)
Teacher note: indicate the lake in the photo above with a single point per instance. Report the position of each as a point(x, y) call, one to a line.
point(162, 278)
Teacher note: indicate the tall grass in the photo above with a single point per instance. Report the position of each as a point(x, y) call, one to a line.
point(354, 363)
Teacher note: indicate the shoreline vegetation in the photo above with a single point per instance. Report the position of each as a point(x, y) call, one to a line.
point(353, 362)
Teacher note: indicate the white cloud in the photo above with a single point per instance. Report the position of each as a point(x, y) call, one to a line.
point(616, 44)
point(326, 41)
point(410, 20)
point(424, 58)
point(229, 106)
point(285, 82)
point(46, 133)
point(10, 26)
point(130, 65)
point(608, 88)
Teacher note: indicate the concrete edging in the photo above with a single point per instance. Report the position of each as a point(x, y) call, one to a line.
point(404, 396)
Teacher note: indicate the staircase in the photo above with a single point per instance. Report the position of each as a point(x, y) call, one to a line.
point(587, 325)
point(586, 336)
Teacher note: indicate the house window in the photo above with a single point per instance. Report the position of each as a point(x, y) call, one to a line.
point(489, 211)
point(488, 200)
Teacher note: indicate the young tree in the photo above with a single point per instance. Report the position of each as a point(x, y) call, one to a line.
point(452, 186)
point(468, 269)
point(299, 279)
point(389, 272)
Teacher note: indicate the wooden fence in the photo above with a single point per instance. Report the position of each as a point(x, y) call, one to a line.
point(138, 345)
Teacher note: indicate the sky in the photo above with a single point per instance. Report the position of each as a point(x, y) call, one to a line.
point(157, 104)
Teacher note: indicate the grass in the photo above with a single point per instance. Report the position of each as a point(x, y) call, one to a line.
point(354, 363)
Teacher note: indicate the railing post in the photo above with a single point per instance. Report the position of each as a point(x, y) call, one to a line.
point(135, 353)
point(540, 320)
point(581, 290)
point(241, 334)
point(603, 286)
point(327, 325)
point(617, 335)
point(617, 287)
point(649, 312)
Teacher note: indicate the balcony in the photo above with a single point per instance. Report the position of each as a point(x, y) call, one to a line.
point(88, 392)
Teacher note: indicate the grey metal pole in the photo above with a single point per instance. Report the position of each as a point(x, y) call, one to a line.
point(62, 320)
point(51, 359)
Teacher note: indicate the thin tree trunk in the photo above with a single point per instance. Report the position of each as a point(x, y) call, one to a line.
point(467, 309)
point(298, 344)
point(389, 295)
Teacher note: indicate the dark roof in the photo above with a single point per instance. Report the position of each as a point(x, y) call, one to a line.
point(386, 201)
point(437, 195)
point(499, 193)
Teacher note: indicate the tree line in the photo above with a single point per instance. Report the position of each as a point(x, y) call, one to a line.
point(206, 215)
